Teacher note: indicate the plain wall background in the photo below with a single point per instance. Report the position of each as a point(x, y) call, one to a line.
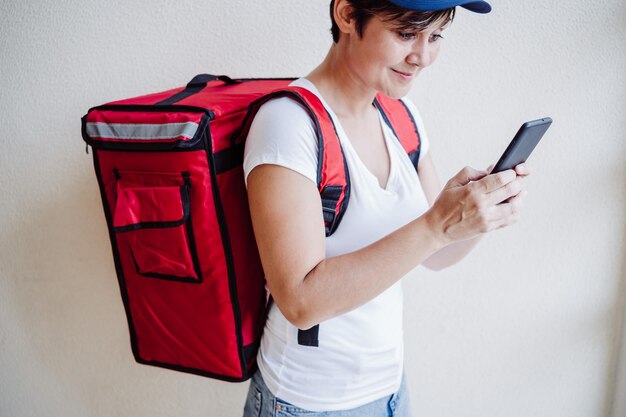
point(528, 325)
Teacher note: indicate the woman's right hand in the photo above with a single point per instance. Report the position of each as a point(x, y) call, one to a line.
point(474, 202)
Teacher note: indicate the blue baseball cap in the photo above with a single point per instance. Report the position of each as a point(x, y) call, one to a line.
point(434, 5)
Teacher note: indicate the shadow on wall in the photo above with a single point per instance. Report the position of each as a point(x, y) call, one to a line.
point(617, 376)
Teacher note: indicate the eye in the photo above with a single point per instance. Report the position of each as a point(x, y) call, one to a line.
point(407, 36)
point(435, 37)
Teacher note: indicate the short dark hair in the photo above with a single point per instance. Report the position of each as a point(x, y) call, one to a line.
point(364, 10)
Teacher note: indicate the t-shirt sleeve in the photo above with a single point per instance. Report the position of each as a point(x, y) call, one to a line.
point(421, 130)
point(282, 133)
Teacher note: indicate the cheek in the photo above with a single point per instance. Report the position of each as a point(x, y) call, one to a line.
point(434, 52)
point(375, 59)
point(385, 50)
point(389, 53)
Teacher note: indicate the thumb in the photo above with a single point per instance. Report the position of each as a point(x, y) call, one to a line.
point(467, 175)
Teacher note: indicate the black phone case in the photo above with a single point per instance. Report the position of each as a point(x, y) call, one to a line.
point(520, 148)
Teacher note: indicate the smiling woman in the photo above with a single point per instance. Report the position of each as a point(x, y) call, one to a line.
point(403, 40)
point(333, 341)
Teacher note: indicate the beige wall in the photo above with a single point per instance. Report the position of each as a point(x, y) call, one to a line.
point(528, 325)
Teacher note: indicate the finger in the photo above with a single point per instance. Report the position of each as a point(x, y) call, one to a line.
point(502, 194)
point(516, 199)
point(506, 214)
point(522, 170)
point(466, 175)
point(495, 181)
point(490, 168)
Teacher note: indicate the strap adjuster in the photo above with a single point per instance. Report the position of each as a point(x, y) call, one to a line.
point(330, 219)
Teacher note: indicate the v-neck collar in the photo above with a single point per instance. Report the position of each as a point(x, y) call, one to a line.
point(345, 140)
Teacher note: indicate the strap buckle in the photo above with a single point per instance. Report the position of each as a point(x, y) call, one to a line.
point(330, 218)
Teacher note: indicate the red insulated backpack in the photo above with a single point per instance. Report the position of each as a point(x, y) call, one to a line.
point(169, 168)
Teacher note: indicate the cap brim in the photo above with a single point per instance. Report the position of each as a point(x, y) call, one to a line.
point(435, 5)
point(477, 6)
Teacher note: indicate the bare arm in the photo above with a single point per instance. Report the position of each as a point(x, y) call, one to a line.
point(286, 216)
point(305, 286)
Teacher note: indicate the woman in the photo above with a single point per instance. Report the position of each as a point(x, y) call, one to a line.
point(396, 220)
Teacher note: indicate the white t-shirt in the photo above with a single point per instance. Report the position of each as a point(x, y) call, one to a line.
point(360, 353)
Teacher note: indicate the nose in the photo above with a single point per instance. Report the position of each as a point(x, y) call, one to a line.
point(420, 55)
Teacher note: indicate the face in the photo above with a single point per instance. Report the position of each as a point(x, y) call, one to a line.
point(389, 59)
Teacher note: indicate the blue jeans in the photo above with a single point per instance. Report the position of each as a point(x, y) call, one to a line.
point(262, 403)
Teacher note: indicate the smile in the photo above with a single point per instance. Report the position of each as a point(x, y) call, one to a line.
point(405, 75)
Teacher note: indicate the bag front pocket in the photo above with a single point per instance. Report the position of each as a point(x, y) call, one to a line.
point(153, 216)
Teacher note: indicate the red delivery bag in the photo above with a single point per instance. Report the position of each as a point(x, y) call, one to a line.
point(169, 168)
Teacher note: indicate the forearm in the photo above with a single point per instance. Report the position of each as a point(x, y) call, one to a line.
point(308, 288)
point(451, 254)
point(343, 283)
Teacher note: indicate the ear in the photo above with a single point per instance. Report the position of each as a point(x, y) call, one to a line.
point(342, 13)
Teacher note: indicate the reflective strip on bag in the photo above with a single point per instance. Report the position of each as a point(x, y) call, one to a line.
point(121, 131)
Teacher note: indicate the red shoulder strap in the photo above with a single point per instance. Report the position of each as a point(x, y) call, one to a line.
point(333, 179)
point(401, 121)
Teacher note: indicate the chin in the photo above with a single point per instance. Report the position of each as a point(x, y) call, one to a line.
point(396, 86)
point(396, 92)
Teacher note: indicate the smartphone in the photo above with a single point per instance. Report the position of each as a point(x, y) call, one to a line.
point(523, 143)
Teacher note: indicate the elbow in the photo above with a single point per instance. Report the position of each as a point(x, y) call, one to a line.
point(436, 268)
point(433, 265)
point(298, 303)
point(298, 313)
point(304, 324)
point(299, 316)
point(440, 265)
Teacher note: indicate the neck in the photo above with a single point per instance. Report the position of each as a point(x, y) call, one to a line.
point(346, 94)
